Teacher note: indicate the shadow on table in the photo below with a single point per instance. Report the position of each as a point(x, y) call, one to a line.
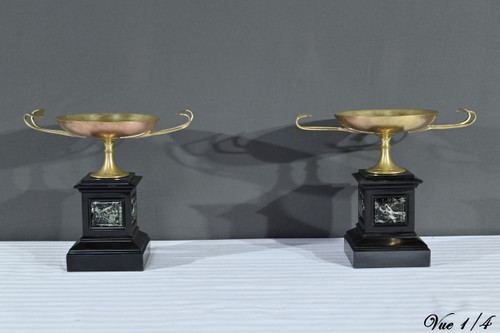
point(180, 253)
point(330, 250)
point(177, 253)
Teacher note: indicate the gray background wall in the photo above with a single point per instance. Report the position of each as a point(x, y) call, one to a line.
point(246, 69)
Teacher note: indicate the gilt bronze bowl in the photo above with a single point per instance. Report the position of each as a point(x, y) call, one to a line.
point(108, 127)
point(385, 123)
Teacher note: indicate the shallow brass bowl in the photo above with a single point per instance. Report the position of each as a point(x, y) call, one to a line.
point(390, 121)
point(108, 125)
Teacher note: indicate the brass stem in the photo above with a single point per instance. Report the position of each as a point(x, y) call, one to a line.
point(385, 165)
point(109, 168)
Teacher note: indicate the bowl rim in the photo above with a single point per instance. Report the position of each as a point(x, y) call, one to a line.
point(370, 113)
point(103, 117)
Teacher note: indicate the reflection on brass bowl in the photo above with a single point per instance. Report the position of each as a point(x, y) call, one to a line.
point(108, 127)
point(385, 123)
point(391, 121)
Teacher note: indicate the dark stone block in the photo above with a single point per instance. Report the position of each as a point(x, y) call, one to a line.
point(385, 233)
point(385, 251)
point(111, 239)
point(109, 254)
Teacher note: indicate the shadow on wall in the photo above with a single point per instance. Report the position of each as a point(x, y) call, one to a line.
point(473, 147)
point(291, 208)
point(28, 147)
point(468, 159)
point(35, 213)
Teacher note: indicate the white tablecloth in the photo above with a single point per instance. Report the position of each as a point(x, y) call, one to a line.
point(258, 285)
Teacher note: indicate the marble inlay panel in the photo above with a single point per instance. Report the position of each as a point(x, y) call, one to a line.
point(134, 208)
point(361, 204)
point(390, 210)
point(106, 213)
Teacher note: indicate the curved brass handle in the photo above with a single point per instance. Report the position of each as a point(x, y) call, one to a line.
point(471, 119)
point(324, 128)
point(186, 113)
point(29, 119)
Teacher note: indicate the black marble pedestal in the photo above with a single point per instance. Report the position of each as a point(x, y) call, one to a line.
point(111, 239)
point(385, 233)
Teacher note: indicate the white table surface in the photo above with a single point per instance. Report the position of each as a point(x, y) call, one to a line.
point(258, 285)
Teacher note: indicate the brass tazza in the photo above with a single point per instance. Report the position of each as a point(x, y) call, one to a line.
point(385, 123)
point(109, 128)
